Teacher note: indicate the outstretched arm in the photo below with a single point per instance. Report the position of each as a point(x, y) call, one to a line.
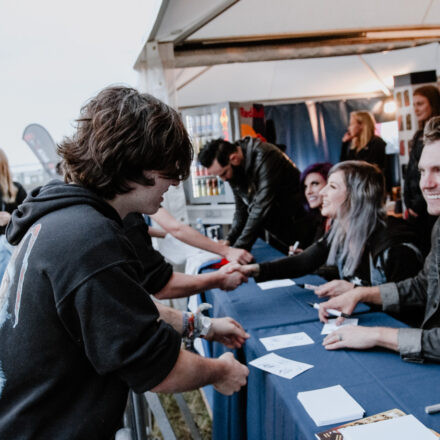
point(190, 236)
point(226, 330)
point(191, 372)
point(182, 285)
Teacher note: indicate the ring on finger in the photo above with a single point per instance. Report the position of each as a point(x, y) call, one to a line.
point(340, 337)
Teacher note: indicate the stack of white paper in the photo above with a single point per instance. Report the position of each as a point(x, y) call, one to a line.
point(330, 405)
point(401, 428)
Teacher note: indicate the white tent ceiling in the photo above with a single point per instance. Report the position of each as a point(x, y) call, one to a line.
point(259, 50)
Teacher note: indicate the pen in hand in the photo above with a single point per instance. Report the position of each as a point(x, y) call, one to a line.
point(331, 312)
point(294, 248)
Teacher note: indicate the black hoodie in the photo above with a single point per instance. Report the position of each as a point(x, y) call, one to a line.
point(76, 328)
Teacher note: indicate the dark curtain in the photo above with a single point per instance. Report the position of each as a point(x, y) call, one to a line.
point(293, 127)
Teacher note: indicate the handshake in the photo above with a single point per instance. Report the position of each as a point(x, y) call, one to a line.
point(232, 275)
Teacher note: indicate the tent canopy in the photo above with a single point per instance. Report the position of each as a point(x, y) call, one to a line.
point(286, 50)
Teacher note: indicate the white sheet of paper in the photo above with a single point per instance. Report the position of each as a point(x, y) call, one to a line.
point(283, 341)
point(330, 405)
point(272, 363)
point(331, 326)
point(266, 285)
point(401, 428)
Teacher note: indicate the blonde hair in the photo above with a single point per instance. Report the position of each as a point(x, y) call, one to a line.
point(366, 119)
point(8, 189)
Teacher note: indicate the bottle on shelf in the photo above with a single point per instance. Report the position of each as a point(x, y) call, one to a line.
point(203, 192)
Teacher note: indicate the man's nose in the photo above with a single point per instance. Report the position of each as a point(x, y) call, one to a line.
point(427, 181)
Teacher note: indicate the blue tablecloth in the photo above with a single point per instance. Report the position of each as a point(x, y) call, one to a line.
point(268, 407)
point(377, 379)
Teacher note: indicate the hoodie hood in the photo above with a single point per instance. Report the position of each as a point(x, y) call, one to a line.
point(52, 197)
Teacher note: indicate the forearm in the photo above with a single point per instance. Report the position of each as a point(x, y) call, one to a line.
point(368, 294)
point(248, 234)
point(296, 265)
point(190, 236)
point(182, 285)
point(387, 337)
point(171, 316)
point(191, 372)
point(156, 232)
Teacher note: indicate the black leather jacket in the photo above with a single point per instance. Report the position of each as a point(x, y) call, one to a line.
point(267, 195)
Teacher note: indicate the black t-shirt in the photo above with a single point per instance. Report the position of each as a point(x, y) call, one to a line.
point(156, 271)
point(77, 330)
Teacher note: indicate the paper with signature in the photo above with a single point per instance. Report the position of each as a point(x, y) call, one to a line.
point(272, 363)
point(331, 326)
point(266, 285)
point(283, 341)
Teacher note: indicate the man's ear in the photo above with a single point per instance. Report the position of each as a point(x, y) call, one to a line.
point(235, 159)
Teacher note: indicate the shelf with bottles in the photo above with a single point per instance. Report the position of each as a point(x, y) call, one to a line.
point(205, 186)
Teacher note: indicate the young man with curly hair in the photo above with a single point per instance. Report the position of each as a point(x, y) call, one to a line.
point(77, 330)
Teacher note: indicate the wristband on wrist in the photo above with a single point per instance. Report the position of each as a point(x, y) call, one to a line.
point(187, 324)
point(196, 325)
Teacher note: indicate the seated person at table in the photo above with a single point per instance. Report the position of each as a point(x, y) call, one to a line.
point(266, 189)
point(190, 236)
point(158, 276)
point(422, 290)
point(367, 247)
point(312, 180)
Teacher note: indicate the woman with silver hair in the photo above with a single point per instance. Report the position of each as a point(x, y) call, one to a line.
point(367, 247)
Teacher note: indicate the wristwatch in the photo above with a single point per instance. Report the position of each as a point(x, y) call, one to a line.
point(202, 324)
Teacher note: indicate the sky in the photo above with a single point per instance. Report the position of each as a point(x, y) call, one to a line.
point(54, 55)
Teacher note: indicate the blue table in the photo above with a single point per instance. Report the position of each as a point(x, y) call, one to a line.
point(268, 407)
point(378, 379)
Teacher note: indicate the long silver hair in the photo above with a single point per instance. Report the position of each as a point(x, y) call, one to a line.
point(358, 216)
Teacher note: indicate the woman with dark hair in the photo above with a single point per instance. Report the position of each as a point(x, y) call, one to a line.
point(360, 142)
point(426, 102)
point(11, 195)
point(312, 180)
point(367, 248)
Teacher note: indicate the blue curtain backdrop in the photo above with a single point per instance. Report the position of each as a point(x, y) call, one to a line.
point(294, 128)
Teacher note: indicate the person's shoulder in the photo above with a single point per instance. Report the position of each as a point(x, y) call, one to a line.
point(378, 142)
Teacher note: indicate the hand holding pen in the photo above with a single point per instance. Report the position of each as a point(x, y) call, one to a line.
point(343, 304)
point(331, 312)
point(292, 249)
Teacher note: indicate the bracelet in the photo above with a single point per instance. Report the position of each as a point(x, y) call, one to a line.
point(187, 324)
point(196, 325)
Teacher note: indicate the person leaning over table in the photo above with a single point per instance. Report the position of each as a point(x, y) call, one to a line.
point(413, 344)
point(367, 247)
point(266, 188)
point(77, 329)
